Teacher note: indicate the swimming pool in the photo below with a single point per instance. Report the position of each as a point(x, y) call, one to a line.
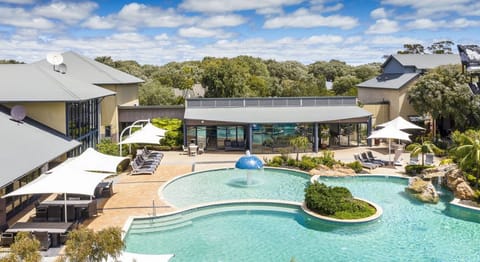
point(407, 231)
point(225, 184)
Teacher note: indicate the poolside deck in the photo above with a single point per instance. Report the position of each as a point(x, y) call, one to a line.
point(135, 195)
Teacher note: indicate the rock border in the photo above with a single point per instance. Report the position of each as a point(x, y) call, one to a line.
point(373, 217)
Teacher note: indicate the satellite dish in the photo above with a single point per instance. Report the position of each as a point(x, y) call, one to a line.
point(61, 68)
point(55, 58)
point(18, 113)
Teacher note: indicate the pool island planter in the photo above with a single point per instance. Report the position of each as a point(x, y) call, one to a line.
point(378, 214)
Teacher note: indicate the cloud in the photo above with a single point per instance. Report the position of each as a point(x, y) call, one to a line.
point(19, 2)
point(437, 8)
point(383, 26)
point(222, 21)
point(303, 18)
point(216, 6)
point(429, 24)
point(394, 41)
point(378, 13)
point(134, 15)
point(20, 18)
point(424, 23)
point(69, 12)
point(323, 39)
point(319, 6)
point(197, 32)
point(97, 22)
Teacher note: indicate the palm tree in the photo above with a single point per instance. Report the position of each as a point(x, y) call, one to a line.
point(468, 152)
point(423, 148)
point(299, 142)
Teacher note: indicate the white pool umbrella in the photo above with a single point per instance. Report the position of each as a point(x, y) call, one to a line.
point(401, 123)
point(390, 132)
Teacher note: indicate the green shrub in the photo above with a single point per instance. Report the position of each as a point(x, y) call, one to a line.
point(446, 161)
point(174, 135)
point(415, 169)
point(335, 202)
point(106, 146)
point(291, 162)
point(307, 163)
point(277, 160)
point(356, 166)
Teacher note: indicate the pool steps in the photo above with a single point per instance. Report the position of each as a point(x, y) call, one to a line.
point(184, 219)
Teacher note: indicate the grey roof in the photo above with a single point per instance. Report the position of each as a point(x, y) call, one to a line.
point(91, 71)
point(389, 81)
point(30, 82)
point(27, 146)
point(425, 61)
point(310, 114)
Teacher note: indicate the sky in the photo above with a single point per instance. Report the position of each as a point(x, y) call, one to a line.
point(159, 32)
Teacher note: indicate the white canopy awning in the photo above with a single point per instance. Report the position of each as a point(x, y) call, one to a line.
point(149, 134)
point(62, 180)
point(92, 160)
point(401, 123)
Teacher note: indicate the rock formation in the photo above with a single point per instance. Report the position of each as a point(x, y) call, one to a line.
point(422, 190)
point(336, 170)
point(455, 181)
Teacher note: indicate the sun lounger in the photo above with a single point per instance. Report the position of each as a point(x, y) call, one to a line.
point(369, 156)
point(364, 164)
point(138, 169)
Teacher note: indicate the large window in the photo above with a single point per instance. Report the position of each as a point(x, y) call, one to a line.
point(275, 138)
point(82, 124)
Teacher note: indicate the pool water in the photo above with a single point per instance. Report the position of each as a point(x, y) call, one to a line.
point(226, 184)
point(407, 231)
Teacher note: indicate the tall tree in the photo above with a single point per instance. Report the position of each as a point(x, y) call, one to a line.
point(443, 92)
point(154, 93)
point(441, 47)
point(345, 85)
point(412, 49)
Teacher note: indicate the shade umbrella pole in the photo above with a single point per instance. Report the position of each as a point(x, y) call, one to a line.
point(65, 201)
point(389, 145)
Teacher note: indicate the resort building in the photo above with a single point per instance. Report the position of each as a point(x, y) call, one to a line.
point(266, 125)
point(385, 96)
point(57, 111)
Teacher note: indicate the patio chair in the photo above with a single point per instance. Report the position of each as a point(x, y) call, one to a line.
point(185, 150)
point(6, 239)
point(44, 238)
point(201, 148)
point(413, 160)
point(429, 159)
point(364, 164)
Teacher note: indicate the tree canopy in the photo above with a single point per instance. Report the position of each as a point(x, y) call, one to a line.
point(443, 93)
point(243, 76)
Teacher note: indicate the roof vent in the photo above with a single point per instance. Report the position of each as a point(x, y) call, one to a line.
point(18, 113)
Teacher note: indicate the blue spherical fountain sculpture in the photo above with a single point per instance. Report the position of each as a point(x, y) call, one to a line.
point(248, 163)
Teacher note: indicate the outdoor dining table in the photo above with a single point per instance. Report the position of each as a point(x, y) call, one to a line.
point(80, 208)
